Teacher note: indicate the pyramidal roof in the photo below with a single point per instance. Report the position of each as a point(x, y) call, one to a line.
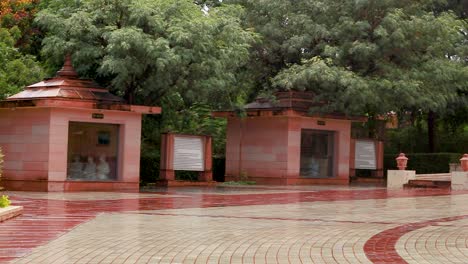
point(66, 85)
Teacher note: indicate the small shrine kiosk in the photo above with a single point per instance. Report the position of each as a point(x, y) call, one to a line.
point(280, 142)
point(69, 134)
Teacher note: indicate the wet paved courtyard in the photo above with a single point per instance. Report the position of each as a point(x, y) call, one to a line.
point(239, 225)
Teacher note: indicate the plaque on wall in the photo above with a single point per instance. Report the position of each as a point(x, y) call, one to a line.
point(188, 153)
point(365, 155)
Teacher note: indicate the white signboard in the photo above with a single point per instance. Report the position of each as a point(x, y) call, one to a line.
point(188, 153)
point(365, 156)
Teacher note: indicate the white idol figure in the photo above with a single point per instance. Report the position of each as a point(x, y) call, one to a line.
point(102, 169)
point(75, 170)
point(89, 171)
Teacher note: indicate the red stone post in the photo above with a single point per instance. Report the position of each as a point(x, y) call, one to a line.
point(207, 174)
point(379, 157)
point(166, 170)
point(352, 158)
point(464, 162)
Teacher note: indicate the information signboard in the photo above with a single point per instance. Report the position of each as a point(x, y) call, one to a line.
point(365, 155)
point(188, 153)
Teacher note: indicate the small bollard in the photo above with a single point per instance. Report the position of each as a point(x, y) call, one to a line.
point(402, 161)
point(464, 162)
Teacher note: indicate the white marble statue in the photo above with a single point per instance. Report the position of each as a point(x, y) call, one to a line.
point(75, 170)
point(310, 166)
point(102, 169)
point(89, 171)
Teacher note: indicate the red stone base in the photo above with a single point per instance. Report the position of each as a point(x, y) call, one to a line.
point(175, 183)
point(19, 185)
point(292, 181)
point(70, 186)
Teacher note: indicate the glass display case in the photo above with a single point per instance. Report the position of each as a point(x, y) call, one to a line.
point(317, 153)
point(93, 151)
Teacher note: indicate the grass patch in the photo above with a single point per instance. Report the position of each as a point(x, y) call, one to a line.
point(236, 183)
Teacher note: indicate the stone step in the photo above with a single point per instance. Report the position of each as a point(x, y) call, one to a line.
point(439, 184)
point(434, 177)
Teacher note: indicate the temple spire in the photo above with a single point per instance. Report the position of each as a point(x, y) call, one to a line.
point(67, 69)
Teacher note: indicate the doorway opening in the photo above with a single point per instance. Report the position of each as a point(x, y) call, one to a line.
point(317, 154)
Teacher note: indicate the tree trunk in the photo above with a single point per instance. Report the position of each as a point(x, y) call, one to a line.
point(431, 127)
point(129, 95)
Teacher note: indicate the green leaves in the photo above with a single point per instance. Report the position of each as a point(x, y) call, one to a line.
point(144, 49)
point(340, 88)
point(16, 70)
point(361, 56)
point(4, 201)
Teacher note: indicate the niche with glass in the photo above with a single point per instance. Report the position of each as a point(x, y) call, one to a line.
point(317, 154)
point(92, 151)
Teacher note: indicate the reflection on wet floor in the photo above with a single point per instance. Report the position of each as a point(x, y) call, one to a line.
point(231, 224)
point(256, 188)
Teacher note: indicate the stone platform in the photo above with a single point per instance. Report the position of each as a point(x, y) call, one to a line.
point(10, 212)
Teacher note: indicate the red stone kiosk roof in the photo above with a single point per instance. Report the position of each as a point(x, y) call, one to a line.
point(291, 103)
point(66, 89)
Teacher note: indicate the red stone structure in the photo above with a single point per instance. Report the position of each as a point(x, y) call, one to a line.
point(193, 153)
point(280, 142)
point(69, 134)
point(377, 173)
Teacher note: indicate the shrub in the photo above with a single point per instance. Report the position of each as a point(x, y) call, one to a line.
point(4, 201)
point(149, 168)
point(424, 163)
point(235, 183)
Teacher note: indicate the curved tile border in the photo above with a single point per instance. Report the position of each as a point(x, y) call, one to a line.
point(381, 247)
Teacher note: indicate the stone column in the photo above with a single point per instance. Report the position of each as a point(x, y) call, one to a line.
point(166, 167)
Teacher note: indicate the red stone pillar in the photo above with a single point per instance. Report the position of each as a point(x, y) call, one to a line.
point(352, 158)
point(207, 174)
point(166, 170)
point(379, 153)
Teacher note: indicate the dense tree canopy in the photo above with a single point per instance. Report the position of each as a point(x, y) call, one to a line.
point(21, 13)
point(151, 48)
point(363, 56)
point(16, 70)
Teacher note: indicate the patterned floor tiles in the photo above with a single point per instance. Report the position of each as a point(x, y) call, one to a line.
point(240, 225)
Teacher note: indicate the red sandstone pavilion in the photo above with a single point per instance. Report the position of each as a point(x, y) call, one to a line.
point(69, 134)
point(281, 143)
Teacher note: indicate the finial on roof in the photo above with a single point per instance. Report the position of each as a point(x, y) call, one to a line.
point(67, 69)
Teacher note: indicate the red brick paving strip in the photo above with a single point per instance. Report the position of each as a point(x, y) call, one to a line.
point(380, 248)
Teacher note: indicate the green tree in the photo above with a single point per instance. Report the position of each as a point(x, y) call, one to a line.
point(16, 70)
point(361, 57)
point(147, 49)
